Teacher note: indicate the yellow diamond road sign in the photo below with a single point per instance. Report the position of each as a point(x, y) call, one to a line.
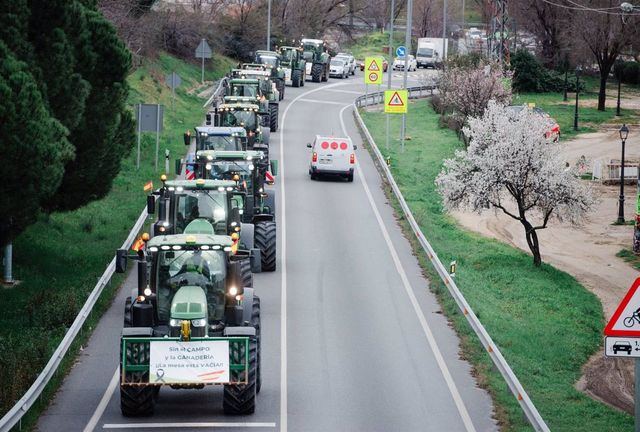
point(373, 70)
point(395, 101)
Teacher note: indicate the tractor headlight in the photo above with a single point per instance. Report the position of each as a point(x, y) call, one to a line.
point(199, 322)
point(233, 291)
point(147, 291)
point(174, 322)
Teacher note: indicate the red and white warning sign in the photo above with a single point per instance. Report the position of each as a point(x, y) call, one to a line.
point(395, 101)
point(626, 319)
point(372, 68)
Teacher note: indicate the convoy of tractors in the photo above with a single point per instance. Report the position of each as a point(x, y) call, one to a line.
point(194, 318)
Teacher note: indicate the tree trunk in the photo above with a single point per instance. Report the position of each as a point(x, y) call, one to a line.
point(602, 95)
point(532, 242)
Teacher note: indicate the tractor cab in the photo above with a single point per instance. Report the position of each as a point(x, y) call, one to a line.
point(190, 299)
point(245, 115)
point(218, 138)
point(182, 204)
point(271, 60)
point(294, 65)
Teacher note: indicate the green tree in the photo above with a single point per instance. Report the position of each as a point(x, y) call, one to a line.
point(34, 147)
point(74, 66)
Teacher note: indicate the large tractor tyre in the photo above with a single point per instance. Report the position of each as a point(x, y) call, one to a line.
point(296, 78)
point(245, 271)
point(137, 401)
point(265, 240)
point(317, 73)
point(240, 399)
point(273, 117)
point(255, 323)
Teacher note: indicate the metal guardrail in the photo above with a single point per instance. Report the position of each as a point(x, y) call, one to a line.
point(377, 98)
point(530, 411)
point(15, 414)
point(216, 93)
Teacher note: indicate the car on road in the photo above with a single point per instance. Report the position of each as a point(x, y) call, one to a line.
point(475, 33)
point(333, 156)
point(398, 63)
point(338, 68)
point(385, 64)
point(554, 128)
point(349, 60)
point(622, 346)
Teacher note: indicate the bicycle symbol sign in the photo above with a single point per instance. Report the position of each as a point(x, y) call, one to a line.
point(626, 319)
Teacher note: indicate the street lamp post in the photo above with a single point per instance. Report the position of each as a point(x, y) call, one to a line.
point(575, 119)
point(624, 133)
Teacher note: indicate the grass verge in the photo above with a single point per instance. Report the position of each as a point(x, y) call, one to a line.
point(589, 118)
point(628, 256)
point(60, 258)
point(546, 324)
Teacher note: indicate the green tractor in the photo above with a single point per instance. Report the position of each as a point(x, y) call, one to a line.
point(317, 59)
point(218, 138)
point(219, 202)
point(252, 172)
point(271, 60)
point(258, 91)
point(190, 322)
point(294, 65)
point(245, 115)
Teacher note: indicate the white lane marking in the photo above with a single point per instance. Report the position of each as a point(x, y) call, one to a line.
point(324, 102)
point(283, 264)
point(187, 425)
point(346, 91)
point(106, 397)
point(453, 389)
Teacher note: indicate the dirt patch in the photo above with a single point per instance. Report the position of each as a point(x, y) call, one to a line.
point(588, 253)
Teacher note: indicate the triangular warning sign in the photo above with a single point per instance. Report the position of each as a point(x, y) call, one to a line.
point(395, 100)
point(374, 66)
point(626, 320)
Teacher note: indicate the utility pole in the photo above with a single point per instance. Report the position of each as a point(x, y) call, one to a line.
point(389, 68)
point(407, 43)
point(444, 31)
point(269, 26)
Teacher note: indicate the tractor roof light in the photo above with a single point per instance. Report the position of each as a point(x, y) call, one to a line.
point(147, 291)
point(163, 178)
point(165, 224)
point(229, 189)
point(234, 223)
point(220, 188)
point(251, 167)
point(209, 157)
point(176, 247)
point(205, 247)
point(145, 237)
point(249, 157)
point(165, 247)
point(171, 188)
point(227, 248)
point(153, 249)
point(237, 229)
point(216, 247)
point(233, 291)
point(179, 189)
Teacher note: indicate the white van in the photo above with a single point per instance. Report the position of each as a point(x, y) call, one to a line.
point(332, 155)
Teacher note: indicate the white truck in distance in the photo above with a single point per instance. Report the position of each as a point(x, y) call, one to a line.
point(429, 52)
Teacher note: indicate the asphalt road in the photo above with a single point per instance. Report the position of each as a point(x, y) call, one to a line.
point(352, 338)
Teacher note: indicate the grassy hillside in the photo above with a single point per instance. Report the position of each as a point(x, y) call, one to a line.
point(546, 324)
point(59, 259)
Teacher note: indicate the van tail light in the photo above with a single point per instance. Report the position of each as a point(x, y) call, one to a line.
point(314, 158)
point(352, 159)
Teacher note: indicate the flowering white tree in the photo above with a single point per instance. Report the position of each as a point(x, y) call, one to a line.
point(467, 90)
point(510, 165)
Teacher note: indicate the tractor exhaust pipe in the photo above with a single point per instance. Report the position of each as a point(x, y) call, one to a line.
point(142, 275)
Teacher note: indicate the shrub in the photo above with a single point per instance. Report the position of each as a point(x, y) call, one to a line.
point(530, 76)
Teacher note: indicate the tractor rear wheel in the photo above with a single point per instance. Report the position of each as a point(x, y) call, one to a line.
point(137, 400)
point(255, 322)
point(273, 117)
point(265, 240)
point(296, 78)
point(240, 399)
point(317, 71)
point(245, 270)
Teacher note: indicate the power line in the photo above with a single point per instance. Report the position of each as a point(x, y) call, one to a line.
point(587, 9)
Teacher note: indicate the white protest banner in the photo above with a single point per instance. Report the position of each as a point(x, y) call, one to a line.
point(176, 362)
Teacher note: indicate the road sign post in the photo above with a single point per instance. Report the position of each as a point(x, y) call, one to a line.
point(623, 337)
point(173, 80)
point(203, 51)
point(392, 13)
point(395, 102)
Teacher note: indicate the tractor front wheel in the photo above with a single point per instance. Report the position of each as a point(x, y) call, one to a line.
point(245, 270)
point(317, 73)
point(296, 78)
point(240, 399)
point(137, 400)
point(265, 240)
point(273, 117)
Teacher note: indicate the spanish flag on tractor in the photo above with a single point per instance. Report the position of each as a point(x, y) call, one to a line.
point(138, 244)
point(148, 186)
